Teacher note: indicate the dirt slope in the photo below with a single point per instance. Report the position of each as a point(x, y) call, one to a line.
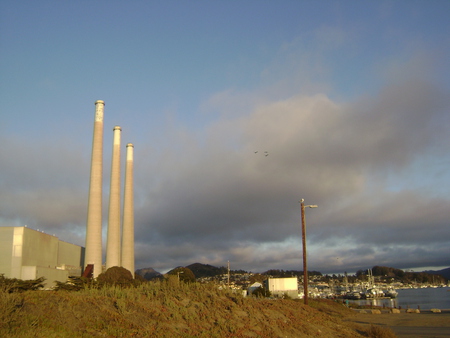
point(167, 312)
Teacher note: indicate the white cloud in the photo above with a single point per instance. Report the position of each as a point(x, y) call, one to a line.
point(342, 156)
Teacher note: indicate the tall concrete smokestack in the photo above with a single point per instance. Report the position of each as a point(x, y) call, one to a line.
point(94, 216)
point(128, 215)
point(113, 240)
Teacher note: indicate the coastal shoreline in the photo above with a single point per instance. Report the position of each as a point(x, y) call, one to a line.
point(403, 324)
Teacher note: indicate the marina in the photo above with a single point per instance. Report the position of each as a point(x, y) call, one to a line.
point(414, 298)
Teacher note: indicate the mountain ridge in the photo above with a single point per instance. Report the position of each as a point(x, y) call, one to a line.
point(444, 272)
point(206, 270)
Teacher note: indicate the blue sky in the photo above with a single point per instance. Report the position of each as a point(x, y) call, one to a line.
point(350, 99)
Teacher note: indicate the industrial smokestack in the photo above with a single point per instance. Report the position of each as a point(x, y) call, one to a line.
point(94, 216)
point(113, 240)
point(128, 215)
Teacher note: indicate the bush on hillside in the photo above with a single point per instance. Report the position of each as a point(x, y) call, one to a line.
point(115, 276)
point(183, 274)
point(380, 332)
point(18, 285)
point(261, 292)
point(73, 283)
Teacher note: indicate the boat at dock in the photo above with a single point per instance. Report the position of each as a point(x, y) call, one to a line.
point(373, 293)
point(390, 293)
point(352, 295)
point(414, 298)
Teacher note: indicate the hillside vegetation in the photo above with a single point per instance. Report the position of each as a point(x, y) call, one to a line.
point(388, 274)
point(167, 308)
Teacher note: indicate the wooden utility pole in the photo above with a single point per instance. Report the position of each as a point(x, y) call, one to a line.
point(228, 274)
point(305, 264)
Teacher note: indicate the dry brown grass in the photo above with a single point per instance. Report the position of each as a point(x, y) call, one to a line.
point(380, 332)
point(167, 309)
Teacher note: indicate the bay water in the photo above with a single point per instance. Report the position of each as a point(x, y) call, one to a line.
point(421, 298)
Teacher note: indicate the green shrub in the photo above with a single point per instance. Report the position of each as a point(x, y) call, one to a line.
point(73, 284)
point(183, 274)
point(115, 276)
point(19, 285)
point(261, 292)
point(10, 307)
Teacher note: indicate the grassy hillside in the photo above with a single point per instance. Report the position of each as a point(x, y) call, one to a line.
point(166, 309)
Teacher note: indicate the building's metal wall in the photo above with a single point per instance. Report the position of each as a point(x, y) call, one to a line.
point(50, 274)
point(29, 254)
point(29, 272)
point(70, 257)
point(6, 250)
point(39, 249)
point(17, 253)
point(282, 284)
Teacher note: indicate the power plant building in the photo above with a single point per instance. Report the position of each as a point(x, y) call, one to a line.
point(29, 254)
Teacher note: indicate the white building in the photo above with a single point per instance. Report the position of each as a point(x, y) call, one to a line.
point(281, 286)
point(29, 254)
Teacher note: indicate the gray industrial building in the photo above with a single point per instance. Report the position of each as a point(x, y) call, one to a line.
point(29, 254)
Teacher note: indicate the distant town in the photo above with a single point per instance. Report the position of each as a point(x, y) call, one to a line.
point(376, 282)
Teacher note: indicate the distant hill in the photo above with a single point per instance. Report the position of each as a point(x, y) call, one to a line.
point(206, 270)
point(444, 272)
point(406, 276)
point(149, 273)
point(275, 273)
